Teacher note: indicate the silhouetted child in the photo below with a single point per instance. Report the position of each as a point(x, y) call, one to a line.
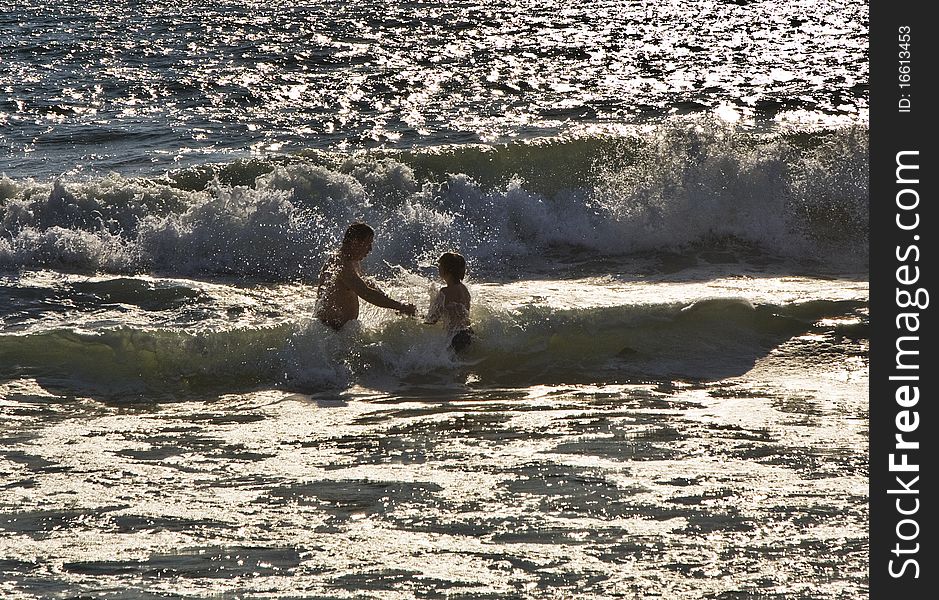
point(452, 303)
point(341, 283)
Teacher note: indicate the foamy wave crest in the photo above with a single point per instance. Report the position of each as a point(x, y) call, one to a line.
point(662, 189)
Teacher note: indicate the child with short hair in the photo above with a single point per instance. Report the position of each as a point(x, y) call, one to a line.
point(452, 303)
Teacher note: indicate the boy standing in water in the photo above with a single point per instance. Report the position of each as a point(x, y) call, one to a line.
point(341, 284)
point(452, 303)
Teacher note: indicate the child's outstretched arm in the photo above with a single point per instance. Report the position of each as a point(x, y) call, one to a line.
point(373, 295)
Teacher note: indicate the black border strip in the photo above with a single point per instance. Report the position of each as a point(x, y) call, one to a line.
point(902, 127)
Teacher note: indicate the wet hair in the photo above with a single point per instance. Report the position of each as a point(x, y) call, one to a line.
point(358, 231)
point(454, 264)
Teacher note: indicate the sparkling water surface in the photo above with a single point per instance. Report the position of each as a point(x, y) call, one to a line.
point(143, 87)
point(429, 478)
point(664, 207)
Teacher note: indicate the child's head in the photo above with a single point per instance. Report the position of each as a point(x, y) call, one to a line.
point(358, 231)
point(452, 264)
point(358, 240)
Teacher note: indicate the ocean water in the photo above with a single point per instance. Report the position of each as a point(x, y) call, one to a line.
point(664, 210)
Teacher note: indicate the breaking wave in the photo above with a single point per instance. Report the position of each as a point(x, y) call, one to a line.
point(665, 188)
point(709, 339)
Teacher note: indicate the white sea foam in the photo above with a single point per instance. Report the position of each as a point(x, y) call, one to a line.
point(685, 183)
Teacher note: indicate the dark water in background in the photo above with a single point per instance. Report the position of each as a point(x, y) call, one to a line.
point(664, 207)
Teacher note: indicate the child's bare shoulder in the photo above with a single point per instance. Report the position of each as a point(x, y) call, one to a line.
point(456, 294)
point(459, 294)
